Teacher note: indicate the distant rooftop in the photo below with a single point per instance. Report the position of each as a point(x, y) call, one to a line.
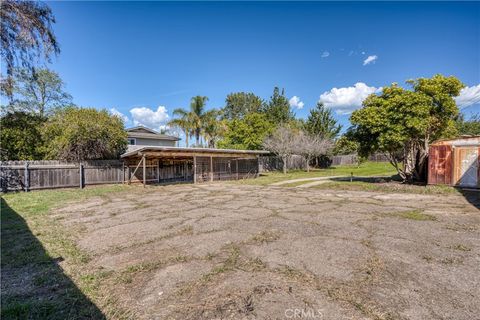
point(144, 132)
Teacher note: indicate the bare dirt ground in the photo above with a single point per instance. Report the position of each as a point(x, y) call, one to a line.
point(221, 251)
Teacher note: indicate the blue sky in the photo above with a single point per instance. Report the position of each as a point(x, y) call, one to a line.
point(138, 56)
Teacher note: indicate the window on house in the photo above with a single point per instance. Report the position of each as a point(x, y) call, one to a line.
point(132, 141)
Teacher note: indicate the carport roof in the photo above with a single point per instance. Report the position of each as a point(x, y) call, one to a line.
point(193, 151)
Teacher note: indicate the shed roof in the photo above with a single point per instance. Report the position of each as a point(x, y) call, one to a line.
point(190, 151)
point(459, 141)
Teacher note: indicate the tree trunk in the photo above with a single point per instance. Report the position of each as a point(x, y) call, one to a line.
point(284, 164)
point(308, 164)
point(186, 139)
point(197, 137)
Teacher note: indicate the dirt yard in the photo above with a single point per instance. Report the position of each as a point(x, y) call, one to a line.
point(234, 251)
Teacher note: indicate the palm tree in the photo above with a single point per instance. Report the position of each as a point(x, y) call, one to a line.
point(184, 122)
point(197, 111)
point(212, 127)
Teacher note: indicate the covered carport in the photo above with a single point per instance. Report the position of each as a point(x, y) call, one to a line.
point(152, 164)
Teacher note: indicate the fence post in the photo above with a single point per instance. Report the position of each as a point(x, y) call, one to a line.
point(27, 178)
point(81, 175)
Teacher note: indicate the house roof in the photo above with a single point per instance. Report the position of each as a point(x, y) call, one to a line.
point(147, 133)
point(192, 151)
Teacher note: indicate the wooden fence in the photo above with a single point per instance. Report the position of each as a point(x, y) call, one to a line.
point(47, 174)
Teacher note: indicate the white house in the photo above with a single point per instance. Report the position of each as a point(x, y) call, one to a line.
point(143, 136)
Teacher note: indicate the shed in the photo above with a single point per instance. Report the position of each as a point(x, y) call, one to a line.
point(455, 162)
point(156, 164)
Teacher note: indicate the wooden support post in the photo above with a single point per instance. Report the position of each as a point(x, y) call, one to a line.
point(158, 171)
point(236, 167)
point(144, 171)
point(258, 167)
point(211, 168)
point(81, 175)
point(128, 174)
point(185, 170)
point(194, 169)
point(27, 178)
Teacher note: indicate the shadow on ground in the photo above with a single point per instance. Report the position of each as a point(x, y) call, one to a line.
point(33, 285)
point(472, 196)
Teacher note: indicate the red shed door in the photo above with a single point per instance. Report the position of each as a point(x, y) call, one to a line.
point(467, 167)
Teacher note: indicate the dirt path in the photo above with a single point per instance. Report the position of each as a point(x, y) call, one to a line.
point(304, 179)
point(320, 180)
point(237, 251)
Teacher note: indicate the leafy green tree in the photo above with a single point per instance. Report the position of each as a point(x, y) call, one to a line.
point(239, 104)
point(39, 91)
point(247, 133)
point(402, 123)
point(76, 134)
point(213, 127)
point(321, 122)
point(26, 35)
point(345, 145)
point(278, 108)
point(20, 136)
point(468, 127)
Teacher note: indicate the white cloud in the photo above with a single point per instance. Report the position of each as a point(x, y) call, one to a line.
point(370, 59)
point(345, 100)
point(295, 102)
point(117, 113)
point(468, 96)
point(363, 52)
point(149, 118)
point(325, 54)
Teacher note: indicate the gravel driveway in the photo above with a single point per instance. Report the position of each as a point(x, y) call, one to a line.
point(223, 250)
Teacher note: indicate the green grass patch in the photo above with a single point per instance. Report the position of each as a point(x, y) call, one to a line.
point(365, 169)
point(37, 251)
point(386, 187)
point(417, 215)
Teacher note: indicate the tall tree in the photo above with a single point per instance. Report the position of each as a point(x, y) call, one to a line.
point(197, 109)
point(402, 123)
point(213, 127)
point(26, 35)
point(247, 133)
point(20, 137)
point(192, 120)
point(282, 142)
point(311, 146)
point(239, 104)
point(278, 108)
point(39, 91)
point(321, 122)
point(76, 134)
point(184, 122)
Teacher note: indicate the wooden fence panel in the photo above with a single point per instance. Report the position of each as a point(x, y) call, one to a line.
point(48, 174)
